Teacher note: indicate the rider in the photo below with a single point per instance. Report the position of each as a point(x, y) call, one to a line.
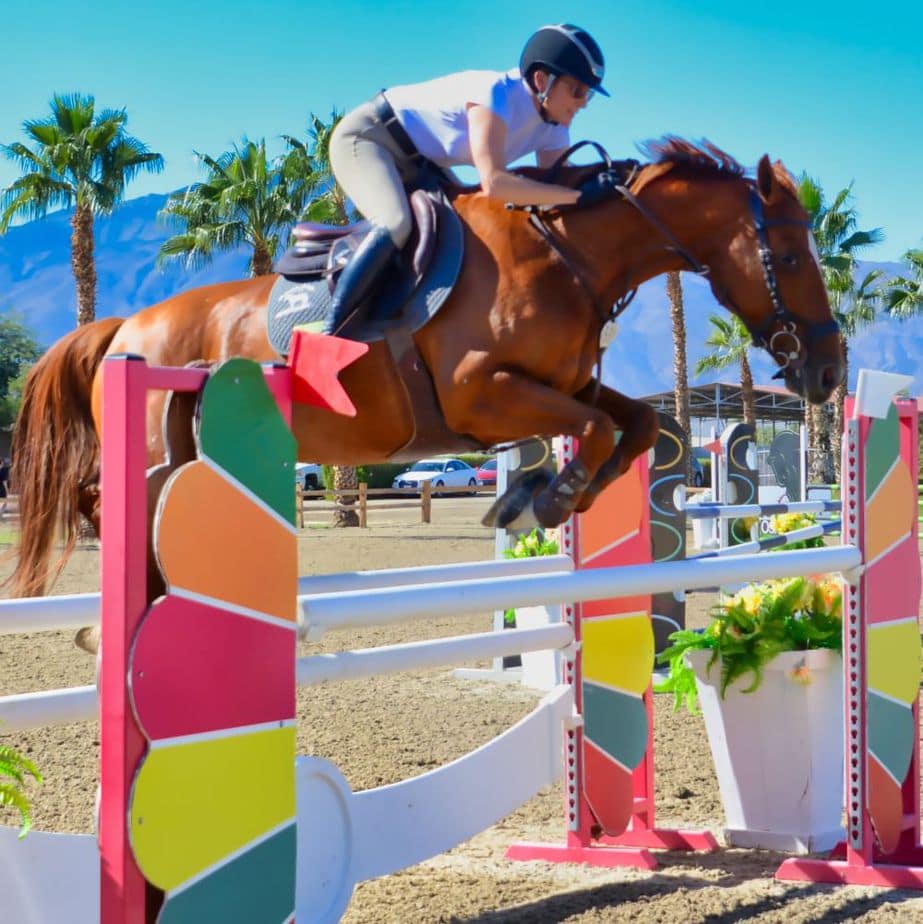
point(485, 119)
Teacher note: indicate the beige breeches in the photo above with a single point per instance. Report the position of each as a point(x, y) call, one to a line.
point(371, 169)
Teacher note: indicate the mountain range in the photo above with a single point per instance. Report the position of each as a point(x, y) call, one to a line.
point(36, 282)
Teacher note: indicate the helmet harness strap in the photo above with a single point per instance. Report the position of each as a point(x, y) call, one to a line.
point(543, 96)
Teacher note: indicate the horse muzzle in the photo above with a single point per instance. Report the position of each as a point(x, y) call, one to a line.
point(815, 382)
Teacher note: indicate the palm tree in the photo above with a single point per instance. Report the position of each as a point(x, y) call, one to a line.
point(680, 369)
point(904, 294)
point(855, 311)
point(326, 203)
point(78, 157)
point(731, 343)
point(839, 242)
point(246, 199)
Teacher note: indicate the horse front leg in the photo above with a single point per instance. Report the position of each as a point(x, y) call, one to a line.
point(509, 406)
point(639, 426)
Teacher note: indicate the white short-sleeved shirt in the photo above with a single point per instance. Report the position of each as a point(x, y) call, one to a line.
point(434, 114)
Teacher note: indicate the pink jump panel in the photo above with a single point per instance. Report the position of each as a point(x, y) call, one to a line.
point(211, 680)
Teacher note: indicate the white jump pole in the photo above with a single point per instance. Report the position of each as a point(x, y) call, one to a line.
point(432, 574)
point(732, 512)
point(74, 611)
point(26, 711)
point(390, 659)
point(360, 608)
point(48, 614)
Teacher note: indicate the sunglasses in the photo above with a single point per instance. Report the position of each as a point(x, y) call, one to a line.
point(577, 90)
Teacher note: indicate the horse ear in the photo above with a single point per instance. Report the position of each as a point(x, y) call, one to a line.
point(784, 179)
point(765, 178)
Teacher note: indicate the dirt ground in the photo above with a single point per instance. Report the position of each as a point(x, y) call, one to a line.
point(386, 729)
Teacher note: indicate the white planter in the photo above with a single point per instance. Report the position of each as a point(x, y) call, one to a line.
point(778, 751)
point(541, 670)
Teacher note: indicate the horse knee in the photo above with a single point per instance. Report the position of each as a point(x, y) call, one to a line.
point(599, 430)
point(648, 425)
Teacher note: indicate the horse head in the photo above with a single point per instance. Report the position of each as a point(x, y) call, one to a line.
point(754, 244)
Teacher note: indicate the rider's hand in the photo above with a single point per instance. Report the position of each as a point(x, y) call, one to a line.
point(597, 188)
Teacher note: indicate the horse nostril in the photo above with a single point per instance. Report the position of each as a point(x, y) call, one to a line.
point(831, 376)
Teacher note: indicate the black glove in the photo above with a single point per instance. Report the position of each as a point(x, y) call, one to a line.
point(597, 188)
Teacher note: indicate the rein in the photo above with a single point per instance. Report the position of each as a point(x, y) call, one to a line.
point(790, 357)
point(774, 343)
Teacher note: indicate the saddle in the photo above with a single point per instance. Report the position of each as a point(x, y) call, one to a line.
point(410, 294)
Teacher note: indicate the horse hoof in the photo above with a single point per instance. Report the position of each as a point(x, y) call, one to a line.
point(87, 639)
point(549, 512)
point(503, 514)
point(516, 501)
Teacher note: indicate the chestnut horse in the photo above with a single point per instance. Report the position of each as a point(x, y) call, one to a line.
point(512, 352)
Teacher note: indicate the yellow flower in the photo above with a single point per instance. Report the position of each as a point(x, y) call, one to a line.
point(749, 598)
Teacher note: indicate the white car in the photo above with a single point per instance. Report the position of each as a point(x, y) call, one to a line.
point(441, 473)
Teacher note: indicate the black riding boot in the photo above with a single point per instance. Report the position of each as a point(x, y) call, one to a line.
point(358, 278)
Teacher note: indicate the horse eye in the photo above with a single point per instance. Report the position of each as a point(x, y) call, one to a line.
point(790, 260)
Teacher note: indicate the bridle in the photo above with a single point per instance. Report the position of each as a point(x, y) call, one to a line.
point(763, 336)
point(788, 320)
point(787, 323)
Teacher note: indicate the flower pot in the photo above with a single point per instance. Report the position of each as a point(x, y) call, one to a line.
point(541, 670)
point(778, 751)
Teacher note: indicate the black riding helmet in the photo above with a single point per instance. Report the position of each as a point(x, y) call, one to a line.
point(564, 49)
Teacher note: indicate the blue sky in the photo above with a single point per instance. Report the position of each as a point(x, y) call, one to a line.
point(832, 88)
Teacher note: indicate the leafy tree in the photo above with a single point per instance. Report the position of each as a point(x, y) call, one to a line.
point(839, 243)
point(11, 401)
point(904, 294)
point(78, 158)
point(731, 344)
point(246, 199)
point(18, 348)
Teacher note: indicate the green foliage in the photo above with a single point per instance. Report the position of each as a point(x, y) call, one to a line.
point(11, 401)
point(839, 244)
point(750, 628)
point(904, 295)
point(730, 342)
point(18, 351)
point(78, 156)
point(245, 199)
point(16, 768)
point(528, 545)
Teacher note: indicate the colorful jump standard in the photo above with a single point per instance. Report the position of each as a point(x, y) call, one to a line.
point(881, 650)
point(609, 761)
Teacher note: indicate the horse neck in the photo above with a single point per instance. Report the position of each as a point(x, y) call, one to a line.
point(621, 249)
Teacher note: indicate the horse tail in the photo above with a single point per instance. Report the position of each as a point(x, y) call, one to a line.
point(55, 452)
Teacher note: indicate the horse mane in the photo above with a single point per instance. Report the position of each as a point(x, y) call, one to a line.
point(663, 155)
point(671, 152)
